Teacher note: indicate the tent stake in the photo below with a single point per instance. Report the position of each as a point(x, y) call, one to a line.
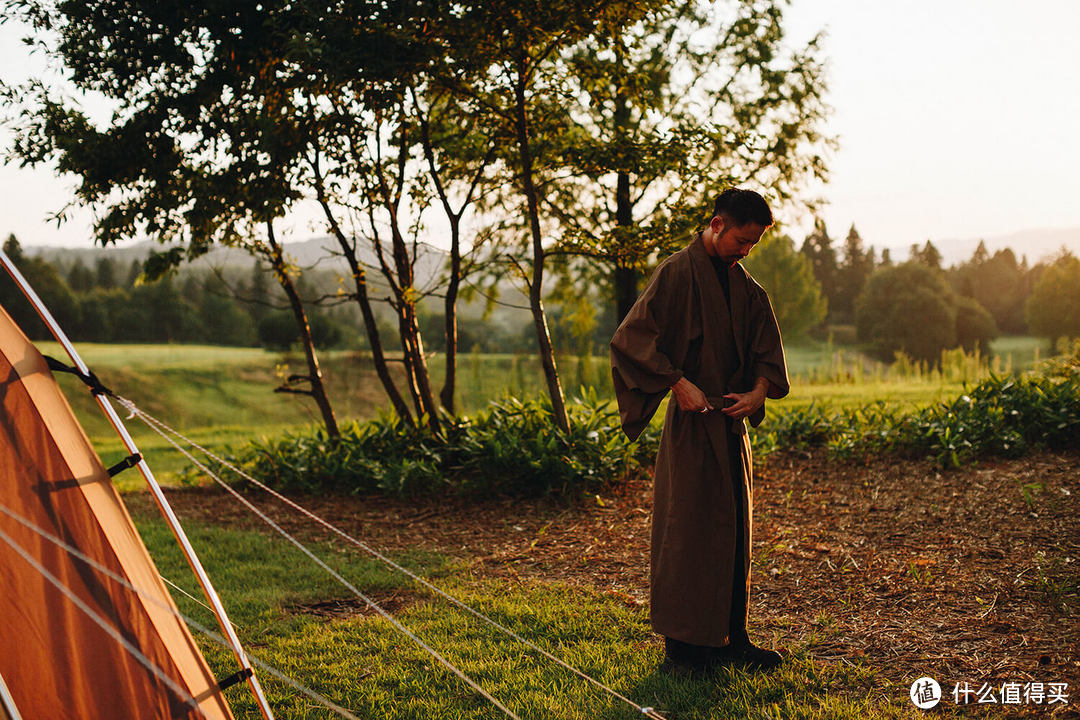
point(155, 488)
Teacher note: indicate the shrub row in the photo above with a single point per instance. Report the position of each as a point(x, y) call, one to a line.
point(511, 448)
point(1003, 416)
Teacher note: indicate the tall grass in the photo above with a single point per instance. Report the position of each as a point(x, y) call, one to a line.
point(1002, 416)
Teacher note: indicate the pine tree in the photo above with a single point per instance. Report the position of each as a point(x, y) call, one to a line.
point(106, 273)
point(818, 248)
point(79, 277)
point(855, 267)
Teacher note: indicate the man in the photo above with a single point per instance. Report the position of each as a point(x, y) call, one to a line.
point(705, 330)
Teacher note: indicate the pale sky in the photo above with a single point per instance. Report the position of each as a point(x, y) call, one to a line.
point(956, 119)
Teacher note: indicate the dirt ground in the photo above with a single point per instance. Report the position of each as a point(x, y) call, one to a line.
point(970, 575)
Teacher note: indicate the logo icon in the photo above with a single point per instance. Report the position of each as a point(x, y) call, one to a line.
point(925, 693)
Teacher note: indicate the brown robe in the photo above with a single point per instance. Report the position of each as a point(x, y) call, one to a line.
point(681, 326)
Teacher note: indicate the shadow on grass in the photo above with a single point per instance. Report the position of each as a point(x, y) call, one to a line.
point(800, 688)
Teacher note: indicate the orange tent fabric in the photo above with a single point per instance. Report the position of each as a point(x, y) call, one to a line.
point(57, 663)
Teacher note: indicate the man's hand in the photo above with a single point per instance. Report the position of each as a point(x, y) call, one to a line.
point(746, 403)
point(690, 397)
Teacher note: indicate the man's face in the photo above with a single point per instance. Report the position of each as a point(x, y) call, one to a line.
point(734, 242)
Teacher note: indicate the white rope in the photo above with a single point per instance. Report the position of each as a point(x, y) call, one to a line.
point(163, 430)
point(341, 579)
point(151, 597)
point(191, 597)
point(104, 625)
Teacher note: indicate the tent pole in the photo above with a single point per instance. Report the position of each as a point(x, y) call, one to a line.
point(8, 711)
point(155, 488)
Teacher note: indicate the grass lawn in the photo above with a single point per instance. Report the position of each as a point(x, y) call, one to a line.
point(863, 572)
point(297, 619)
point(279, 600)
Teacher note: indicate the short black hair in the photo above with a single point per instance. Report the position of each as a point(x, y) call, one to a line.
point(742, 207)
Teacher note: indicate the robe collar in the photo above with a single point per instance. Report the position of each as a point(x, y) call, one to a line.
point(705, 274)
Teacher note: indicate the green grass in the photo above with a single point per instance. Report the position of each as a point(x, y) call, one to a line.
point(366, 665)
point(221, 396)
point(160, 357)
point(168, 464)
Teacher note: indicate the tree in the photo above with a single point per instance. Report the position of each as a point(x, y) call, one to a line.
point(855, 266)
point(927, 255)
point(184, 157)
point(257, 293)
point(458, 152)
point(133, 274)
point(671, 107)
point(1053, 309)
point(998, 282)
point(79, 277)
point(906, 308)
point(222, 321)
point(818, 249)
point(96, 311)
point(106, 273)
point(502, 58)
point(49, 286)
point(788, 278)
point(975, 326)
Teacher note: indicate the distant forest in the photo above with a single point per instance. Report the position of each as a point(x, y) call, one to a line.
point(822, 288)
point(102, 296)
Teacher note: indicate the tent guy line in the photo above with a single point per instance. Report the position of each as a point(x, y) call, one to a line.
point(168, 434)
point(104, 625)
point(149, 597)
point(329, 570)
point(189, 596)
point(166, 510)
point(102, 395)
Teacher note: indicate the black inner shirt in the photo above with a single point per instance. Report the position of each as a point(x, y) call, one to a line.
point(721, 269)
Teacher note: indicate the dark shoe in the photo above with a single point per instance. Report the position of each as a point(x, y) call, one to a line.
point(749, 656)
point(680, 669)
point(683, 659)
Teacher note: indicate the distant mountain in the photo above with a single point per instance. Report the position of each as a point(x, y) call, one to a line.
point(317, 252)
point(1036, 245)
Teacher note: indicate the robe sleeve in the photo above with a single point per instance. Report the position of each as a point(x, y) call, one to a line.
point(766, 348)
point(649, 346)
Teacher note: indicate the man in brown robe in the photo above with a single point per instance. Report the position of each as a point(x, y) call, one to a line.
point(704, 330)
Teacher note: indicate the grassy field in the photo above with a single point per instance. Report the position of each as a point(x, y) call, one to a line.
point(296, 618)
point(224, 396)
point(364, 664)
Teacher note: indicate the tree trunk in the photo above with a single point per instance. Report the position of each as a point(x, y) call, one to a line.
point(360, 284)
point(318, 390)
point(543, 336)
point(446, 395)
point(624, 278)
point(411, 341)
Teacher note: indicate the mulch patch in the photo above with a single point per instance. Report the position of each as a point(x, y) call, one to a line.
point(968, 575)
point(392, 601)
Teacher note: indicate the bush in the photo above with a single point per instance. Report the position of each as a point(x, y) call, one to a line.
point(512, 448)
point(1000, 417)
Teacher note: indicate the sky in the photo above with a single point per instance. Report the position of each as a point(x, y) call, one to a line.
point(957, 119)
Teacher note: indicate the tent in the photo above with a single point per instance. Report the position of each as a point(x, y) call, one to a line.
point(56, 658)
